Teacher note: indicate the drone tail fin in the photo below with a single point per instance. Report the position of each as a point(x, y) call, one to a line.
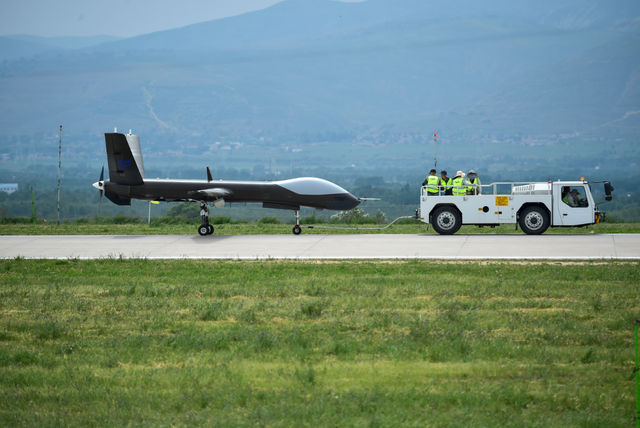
point(125, 164)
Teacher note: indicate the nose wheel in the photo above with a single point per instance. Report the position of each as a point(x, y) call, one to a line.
point(297, 230)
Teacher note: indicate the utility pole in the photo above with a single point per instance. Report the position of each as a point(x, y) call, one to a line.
point(59, 168)
point(33, 208)
point(435, 162)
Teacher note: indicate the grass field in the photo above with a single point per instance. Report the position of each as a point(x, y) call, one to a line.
point(227, 343)
point(266, 228)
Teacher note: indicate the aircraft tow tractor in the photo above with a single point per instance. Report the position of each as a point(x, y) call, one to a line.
point(533, 206)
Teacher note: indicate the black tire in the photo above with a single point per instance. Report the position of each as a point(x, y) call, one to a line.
point(446, 220)
point(534, 220)
point(297, 230)
point(211, 229)
point(203, 230)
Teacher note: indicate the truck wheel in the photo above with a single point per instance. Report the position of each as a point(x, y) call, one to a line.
point(534, 221)
point(446, 221)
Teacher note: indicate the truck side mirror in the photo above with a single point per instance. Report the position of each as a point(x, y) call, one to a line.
point(608, 188)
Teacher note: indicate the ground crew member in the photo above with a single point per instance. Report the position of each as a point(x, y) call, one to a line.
point(432, 182)
point(459, 184)
point(446, 183)
point(474, 189)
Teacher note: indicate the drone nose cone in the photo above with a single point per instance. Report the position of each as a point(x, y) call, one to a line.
point(353, 201)
point(343, 202)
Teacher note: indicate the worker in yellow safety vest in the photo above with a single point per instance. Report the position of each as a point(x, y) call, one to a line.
point(474, 188)
point(459, 184)
point(432, 182)
point(571, 199)
point(446, 183)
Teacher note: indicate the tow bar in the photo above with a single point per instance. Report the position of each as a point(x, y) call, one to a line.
point(416, 216)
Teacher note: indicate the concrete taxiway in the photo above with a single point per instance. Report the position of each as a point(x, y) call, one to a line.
point(455, 247)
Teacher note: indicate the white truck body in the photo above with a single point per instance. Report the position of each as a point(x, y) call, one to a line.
point(535, 206)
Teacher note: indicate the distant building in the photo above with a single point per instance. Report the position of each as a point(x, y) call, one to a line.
point(8, 187)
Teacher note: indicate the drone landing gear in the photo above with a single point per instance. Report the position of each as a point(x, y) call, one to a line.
point(297, 230)
point(205, 228)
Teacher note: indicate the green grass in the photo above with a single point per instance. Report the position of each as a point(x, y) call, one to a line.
point(229, 343)
point(270, 227)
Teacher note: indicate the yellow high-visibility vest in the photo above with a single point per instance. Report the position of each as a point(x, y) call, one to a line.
point(446, 184)
point(471, 189)
point(458, 188)
point(432, 184)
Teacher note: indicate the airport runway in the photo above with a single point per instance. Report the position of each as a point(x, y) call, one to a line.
point(455, 247)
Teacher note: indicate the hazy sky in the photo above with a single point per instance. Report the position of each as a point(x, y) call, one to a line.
point(122, 18)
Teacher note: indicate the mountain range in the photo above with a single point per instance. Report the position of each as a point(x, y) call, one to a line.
point(495, 67)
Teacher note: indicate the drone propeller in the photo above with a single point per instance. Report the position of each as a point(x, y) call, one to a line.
point(100, 185)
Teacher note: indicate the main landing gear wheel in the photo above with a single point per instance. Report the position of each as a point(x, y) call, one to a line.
point(446, 221)
point(534, 221)
point(205, 228)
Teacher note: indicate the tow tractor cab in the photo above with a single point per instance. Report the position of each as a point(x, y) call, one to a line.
point(534, 206)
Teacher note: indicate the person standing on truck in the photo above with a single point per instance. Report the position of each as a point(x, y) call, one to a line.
point(432, 182)
point(474, 188)
point(446, 183)
point(459, 184)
